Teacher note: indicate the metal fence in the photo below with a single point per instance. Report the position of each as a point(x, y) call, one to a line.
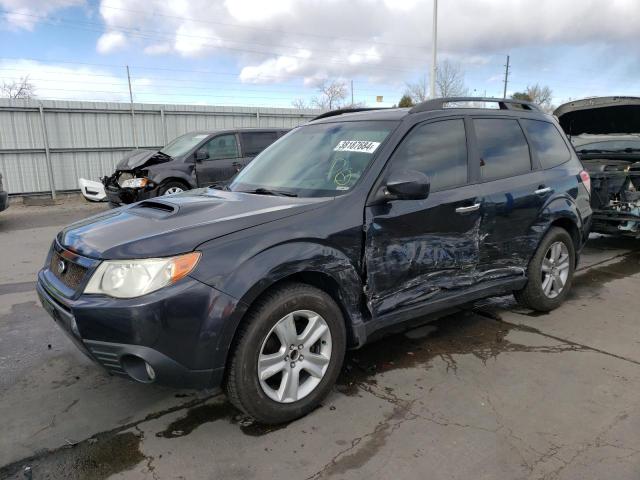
point(49, 141)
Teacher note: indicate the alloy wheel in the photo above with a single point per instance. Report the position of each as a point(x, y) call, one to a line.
point(555, 269)
point(173, 190)
point(294, 356)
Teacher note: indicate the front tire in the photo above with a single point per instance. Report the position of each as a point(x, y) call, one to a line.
point(550, 272)
point(287, 355)
point(172, 187)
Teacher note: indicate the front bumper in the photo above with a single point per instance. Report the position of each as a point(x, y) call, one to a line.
point(4, 200)
point(175, 330)
point(117, 196)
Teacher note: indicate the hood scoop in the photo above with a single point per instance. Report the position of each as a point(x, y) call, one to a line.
point(153, 208)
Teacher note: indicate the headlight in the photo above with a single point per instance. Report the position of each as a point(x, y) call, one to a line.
point(135, 183)
point(132, 278)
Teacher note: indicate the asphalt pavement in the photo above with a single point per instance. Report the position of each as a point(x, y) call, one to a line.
point(492, 391)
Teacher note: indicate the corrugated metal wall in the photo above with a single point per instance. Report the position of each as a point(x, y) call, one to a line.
point(86, 139)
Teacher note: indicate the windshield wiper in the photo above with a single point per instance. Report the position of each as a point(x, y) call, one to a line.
point(266, 191)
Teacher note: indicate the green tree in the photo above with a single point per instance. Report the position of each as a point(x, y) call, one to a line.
point(405, 101)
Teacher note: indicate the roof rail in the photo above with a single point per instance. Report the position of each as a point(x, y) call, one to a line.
point(503, 103)
point(340, 111)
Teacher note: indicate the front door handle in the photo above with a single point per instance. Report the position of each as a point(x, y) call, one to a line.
point(542, 190)
point(470, 208)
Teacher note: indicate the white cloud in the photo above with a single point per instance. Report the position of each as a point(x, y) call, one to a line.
point(111, 41)
point(26, 14)
point(379, 39)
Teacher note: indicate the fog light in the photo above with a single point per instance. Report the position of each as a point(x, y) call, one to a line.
point(150, 371)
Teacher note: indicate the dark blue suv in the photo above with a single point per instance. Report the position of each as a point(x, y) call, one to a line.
point(354, 223)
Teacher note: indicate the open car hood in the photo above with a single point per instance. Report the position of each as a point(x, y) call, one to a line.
point(600, 115)
point(135, 159)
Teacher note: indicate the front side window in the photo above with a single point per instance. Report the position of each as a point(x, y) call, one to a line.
point(224, 146)
point(547, 142)
point(439, 150)
point(320, 160)
point(504, 151)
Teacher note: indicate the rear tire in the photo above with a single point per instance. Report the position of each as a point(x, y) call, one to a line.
point(266, 334)
point(550, 272)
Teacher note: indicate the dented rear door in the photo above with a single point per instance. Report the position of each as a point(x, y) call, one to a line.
point(420, 250)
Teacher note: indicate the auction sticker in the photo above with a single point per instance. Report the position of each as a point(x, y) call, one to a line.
point(363, 146)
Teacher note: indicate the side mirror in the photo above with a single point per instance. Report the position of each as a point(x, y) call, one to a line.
point(407, 185)
point(201, 155)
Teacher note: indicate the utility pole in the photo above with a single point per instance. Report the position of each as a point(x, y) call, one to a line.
point(506, 77)
point(434, 59)
point(133, 113)
point(352, 93)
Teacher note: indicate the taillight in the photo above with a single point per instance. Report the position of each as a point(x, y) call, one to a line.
point(586, 179)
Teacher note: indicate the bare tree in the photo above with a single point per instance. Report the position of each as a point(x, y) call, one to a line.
point(450, 80)
point(332, 95)
point(299, 103)
point(541, 95)
point(449, 83)
point(417, 91)
point(20, 89)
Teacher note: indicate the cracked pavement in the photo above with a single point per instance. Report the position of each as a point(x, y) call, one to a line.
point(489, 391)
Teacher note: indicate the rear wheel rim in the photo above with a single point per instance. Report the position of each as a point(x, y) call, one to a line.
point(555, 269)
point(294, 356)
point(173, 190)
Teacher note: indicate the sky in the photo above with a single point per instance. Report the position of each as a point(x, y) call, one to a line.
point(271, 52)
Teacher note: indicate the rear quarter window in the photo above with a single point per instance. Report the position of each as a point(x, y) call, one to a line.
point(254, 142)
point(547, 143)
point(504, 151)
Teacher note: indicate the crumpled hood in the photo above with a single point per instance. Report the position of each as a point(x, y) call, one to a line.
point(172, 225)
point(601, 116)
point(135, 159)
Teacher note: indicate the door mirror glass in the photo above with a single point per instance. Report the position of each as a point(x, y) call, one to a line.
point(407, 185)
point(202, 154)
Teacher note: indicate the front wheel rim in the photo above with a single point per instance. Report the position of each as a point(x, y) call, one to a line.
point(173, 190)
point(555, 268)
point(294, 356)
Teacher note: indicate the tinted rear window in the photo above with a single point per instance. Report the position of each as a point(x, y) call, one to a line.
point(254, 142)
point(547, 142)
point(504, 151)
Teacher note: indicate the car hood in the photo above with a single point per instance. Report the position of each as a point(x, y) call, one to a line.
point(602, 115)
point(172, 225)
point(135, 159)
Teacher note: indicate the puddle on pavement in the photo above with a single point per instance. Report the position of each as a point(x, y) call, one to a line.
point(464, 333)
point(97, 459)
point(593, 279)
point(197, 416)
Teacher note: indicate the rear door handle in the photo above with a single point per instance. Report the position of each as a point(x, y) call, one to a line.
point(470, 208)
point(543, 190)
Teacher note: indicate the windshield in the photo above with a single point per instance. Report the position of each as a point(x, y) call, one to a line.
point(315, 160)
point(611, 146)
point(183, 144)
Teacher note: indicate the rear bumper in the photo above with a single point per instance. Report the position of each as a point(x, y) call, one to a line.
point(616, 223)
point(176, 331)
point(4, 200)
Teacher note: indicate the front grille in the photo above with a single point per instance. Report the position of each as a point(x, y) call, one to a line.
point(71, 275)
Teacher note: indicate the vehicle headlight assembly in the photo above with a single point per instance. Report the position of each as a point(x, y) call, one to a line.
point(135, 183)
point(133, 278)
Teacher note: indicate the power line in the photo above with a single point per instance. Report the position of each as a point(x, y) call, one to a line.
point(137, 33)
